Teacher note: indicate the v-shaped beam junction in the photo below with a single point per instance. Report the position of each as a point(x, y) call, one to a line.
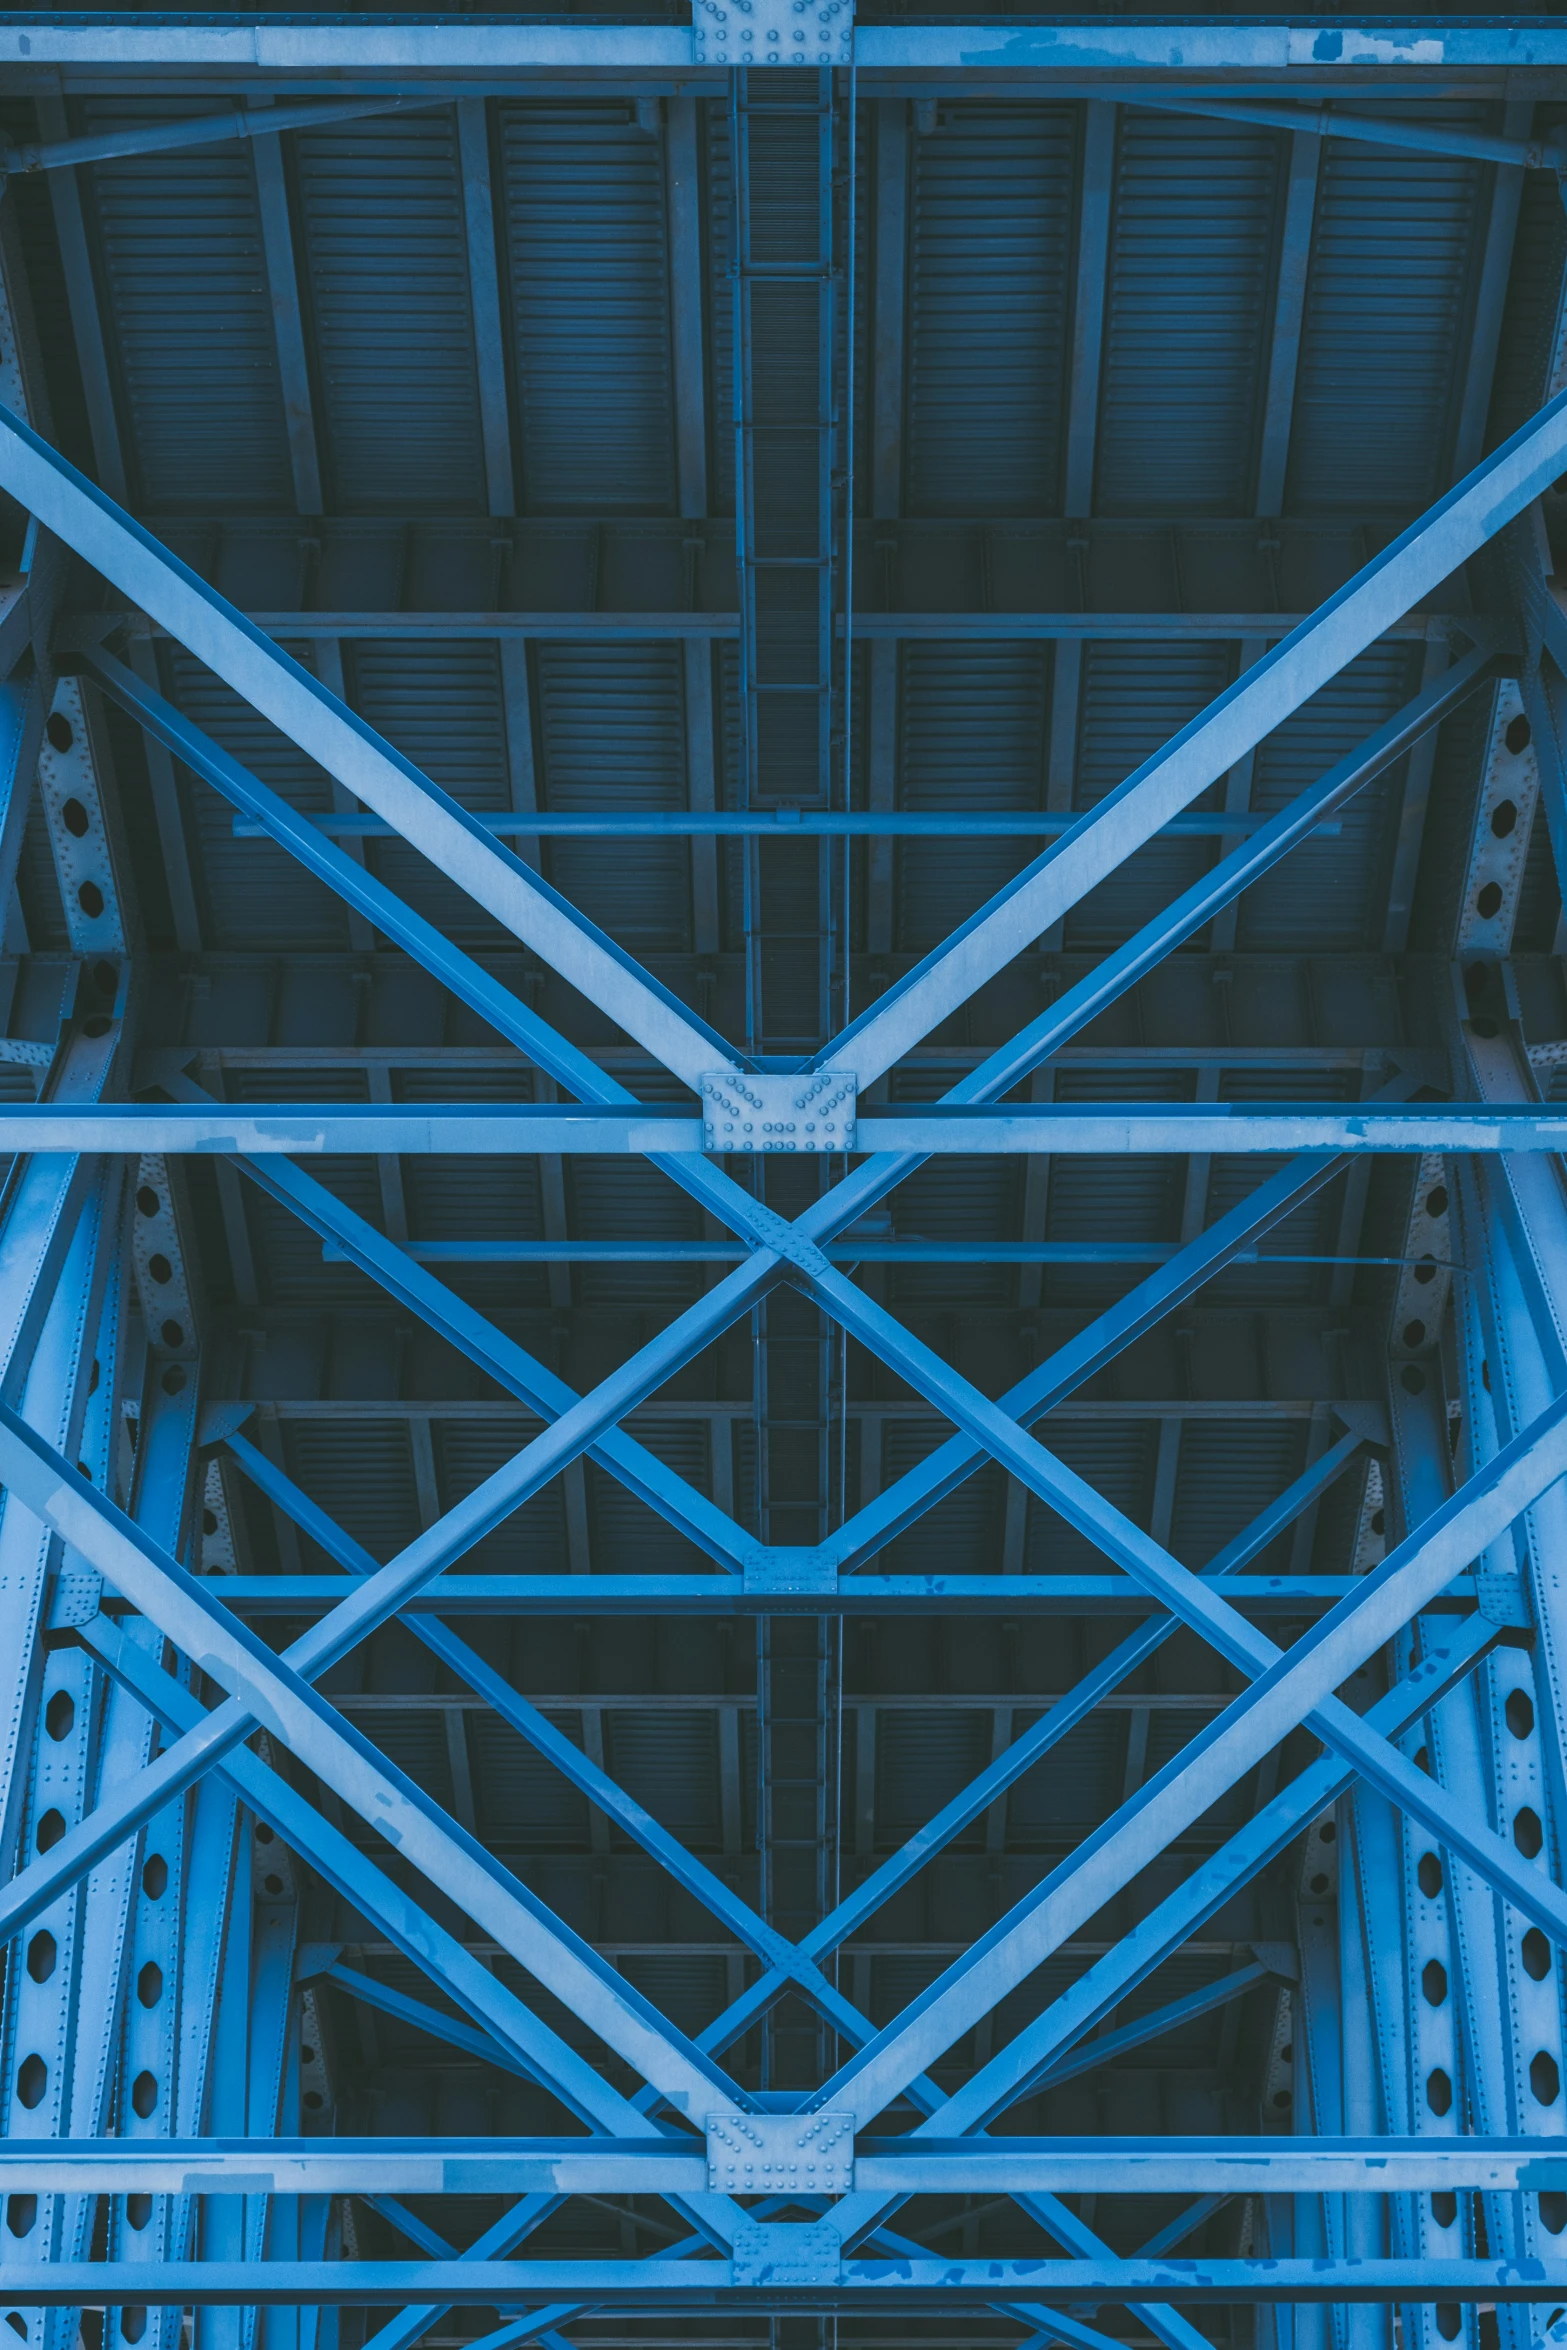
point(313, 718)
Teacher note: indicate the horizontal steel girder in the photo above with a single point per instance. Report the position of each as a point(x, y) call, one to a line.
point(1063, 53)
point(594, 577)
point(298, 1596)
point(665, 2285)
point(564, 626)
point(460, 1130)
point(892, 2166)
point(789, 823)
point(859, 1252)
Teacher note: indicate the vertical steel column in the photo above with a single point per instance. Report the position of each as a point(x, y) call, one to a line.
point(1522, 1995)
point(61, 2000)
point(62, 2015)
point(250, 2036)
point(24, 693)
point(1511, 1348)
point(1431, 2048)
point(1318, 2222)
point(1482, 2020)
point(1411, 1962)
point(182, 1885)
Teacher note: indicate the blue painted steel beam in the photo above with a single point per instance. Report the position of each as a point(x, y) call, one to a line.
point(1056, 2218)
point(359, 889)
point(22, 714)
point(1251, 58)
point(656, 2164)
point(1420, 138)
point(789, 823)
point(1084, 54)
point(1054, 2325)
point(297, 1596)
point(206, 130)
point(431, 2020)
point(1253, 52)
point(1011, 1063)
point(1287, 1690)
point(1437, 1673)
point(1072, 1365)
point(895, 2286)
point(788, 1964)
point(579, 2085)
point(25, 616)
point(1015, 2070)
point(1185, 2223)
point(1156, 2025)
point(505, 1361)
point(377, 1256)
point(464, 1130)
point(267, 1688)
point(418, 2232)
point(397, 1271)
point(1146, 949)
point(1265, 694)
point(1062, 2223)
point(872, 1181)
point(588, 1777)
point(1288, 321)
point(864, 1252)
point(382, 1595)
point(311, 716)
point(556, 624)
point(1003, 1772)
point(71, 2013)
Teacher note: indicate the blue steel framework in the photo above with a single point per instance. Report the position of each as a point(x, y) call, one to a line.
point(238, 1864)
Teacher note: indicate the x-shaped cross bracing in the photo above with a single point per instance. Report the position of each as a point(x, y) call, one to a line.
point(198, 1625)
point(1054, 1379)
point(66, 503)
point(1284, 1689)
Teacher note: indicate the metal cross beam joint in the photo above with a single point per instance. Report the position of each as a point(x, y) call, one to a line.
point(768, 2256)
point(814, 1111)
point(740, 33)
point(781, 2153)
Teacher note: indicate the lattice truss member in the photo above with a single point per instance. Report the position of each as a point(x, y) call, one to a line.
point(783, 1280)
